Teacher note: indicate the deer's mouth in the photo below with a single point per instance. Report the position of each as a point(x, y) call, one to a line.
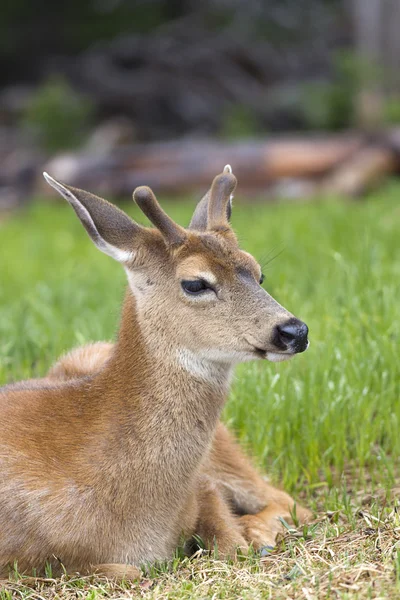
point(273, 356)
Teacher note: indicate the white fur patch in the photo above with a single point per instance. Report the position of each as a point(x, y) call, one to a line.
point(278, 357)
point(137, 282)
point(207, 276)
point(122, 256)
point(194, 365)
point(204, 368)
point(227, 357)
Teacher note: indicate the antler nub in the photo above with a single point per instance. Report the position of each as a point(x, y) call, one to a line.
point(147, 202)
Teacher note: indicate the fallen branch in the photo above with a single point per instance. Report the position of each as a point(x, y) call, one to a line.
point(182, 166)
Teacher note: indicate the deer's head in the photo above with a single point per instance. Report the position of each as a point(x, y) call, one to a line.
point(195, 289)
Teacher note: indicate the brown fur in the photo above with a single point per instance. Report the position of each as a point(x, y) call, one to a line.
point(109, 469)
point(229, 476)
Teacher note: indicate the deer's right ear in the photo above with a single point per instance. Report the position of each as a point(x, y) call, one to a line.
point(111, 230)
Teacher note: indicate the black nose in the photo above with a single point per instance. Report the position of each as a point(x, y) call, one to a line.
point(292, 335)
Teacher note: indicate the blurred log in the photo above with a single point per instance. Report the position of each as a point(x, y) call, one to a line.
point(362, 172)
point(182, 166)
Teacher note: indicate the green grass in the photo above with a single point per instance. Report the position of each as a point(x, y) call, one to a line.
point(326, 424)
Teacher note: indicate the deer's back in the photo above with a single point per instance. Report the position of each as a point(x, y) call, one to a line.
point(44, 487)
point(62, 490)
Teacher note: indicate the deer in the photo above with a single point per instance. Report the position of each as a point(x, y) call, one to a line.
point(119, 451)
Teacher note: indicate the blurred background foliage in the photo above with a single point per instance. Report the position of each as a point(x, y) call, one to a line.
point(58, 115)
point(226, 67)
point(96, 76)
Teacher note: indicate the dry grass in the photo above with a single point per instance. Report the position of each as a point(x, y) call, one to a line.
point(350, 553)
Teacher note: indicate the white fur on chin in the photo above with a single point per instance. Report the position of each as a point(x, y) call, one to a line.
point(278, 357)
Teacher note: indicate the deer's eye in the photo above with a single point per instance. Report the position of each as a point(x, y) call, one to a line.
point(195, 286)
point(261, 279)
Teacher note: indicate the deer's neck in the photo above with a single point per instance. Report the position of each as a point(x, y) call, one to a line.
point(171, 399)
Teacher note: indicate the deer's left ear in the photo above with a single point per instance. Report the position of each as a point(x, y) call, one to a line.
point(111, 230)
point(199, 220)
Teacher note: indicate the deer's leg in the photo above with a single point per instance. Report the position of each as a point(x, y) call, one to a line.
point(261, 530)
point(216, 525)
point(257, 503)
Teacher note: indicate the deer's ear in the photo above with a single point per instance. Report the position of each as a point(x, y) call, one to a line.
point(199, 220)
point(111, 230)
point(200, 215)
